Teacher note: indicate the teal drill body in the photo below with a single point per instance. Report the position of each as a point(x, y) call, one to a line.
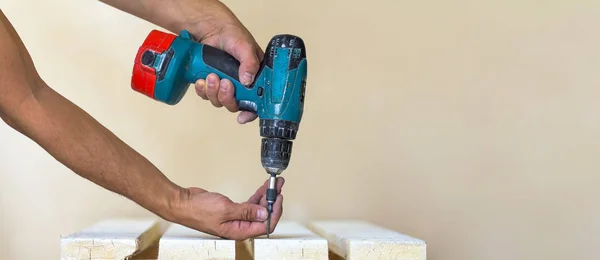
point(166, 65)
point(277, 92)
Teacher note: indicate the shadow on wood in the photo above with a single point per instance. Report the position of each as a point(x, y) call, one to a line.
point(151, 253)
point(242, 252)
point(334, 256)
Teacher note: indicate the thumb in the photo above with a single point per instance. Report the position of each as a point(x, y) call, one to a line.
point(245, 52)
point(248, 212)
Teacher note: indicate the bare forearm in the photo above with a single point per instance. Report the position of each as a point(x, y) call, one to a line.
point(197, 16)
point(72, 136)
point(81, 143)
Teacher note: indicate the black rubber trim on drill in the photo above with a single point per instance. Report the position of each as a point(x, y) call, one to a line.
point(165, 66)
point(275, 153)
point(246, 105)
point(274, 128)
point(271, 194)
point(303, 91)
point(286, 41)
point(221, 61)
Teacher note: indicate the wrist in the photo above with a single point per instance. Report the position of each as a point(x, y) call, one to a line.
point(206, 17)
point(173, 204)
point(180, 211)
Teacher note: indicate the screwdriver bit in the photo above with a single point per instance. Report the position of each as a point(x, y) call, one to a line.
point(271, 196)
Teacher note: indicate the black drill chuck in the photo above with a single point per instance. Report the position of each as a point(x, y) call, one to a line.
point(275, 154)
point(276, 144)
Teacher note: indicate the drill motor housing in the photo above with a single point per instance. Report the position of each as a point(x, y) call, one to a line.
point(166, 65)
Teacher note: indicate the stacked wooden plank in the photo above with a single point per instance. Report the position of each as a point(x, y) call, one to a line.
point(318, 240)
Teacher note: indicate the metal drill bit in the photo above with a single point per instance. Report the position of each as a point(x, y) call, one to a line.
point(268, 225)
point(271, 196)
point(269, 209)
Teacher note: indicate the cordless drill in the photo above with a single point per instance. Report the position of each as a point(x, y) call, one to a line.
point(166, 64)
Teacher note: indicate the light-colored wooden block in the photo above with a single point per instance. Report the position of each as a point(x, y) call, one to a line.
point(111, 239)
point(183, 243)
point(289, 241)
point(357, 240)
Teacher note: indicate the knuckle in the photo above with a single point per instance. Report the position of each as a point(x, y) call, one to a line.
point(212, 90)
point(246, 213)
point(222, 204)
point(252, 63)
point(223, 97)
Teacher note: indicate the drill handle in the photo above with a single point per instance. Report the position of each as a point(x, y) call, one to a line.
point(207, 59)
point(215, 61)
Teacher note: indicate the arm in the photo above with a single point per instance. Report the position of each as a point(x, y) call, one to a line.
point(72, 136)
point(82, 144)
point(200, 17)
point(212, 23)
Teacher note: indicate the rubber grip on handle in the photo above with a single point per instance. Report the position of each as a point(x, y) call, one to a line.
point(221, 61)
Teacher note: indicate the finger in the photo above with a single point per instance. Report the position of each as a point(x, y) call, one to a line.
point(212, 89)
point(277, 213)
point(201, 89)
point(226, 95)
point(241, 230)
point(259, 52)
point(260, 228)
point(246, 117)
point(247, 212)
point(245, 53)
point(260, 193)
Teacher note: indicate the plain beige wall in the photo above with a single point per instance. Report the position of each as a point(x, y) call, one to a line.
point(471, 124)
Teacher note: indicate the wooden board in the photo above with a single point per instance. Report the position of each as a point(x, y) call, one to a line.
point(111, 239)
point(182, 243)
point(289, 241)
point(356, 240)
point(146, 239)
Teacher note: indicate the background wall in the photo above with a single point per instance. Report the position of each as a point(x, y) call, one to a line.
point(471, 124)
